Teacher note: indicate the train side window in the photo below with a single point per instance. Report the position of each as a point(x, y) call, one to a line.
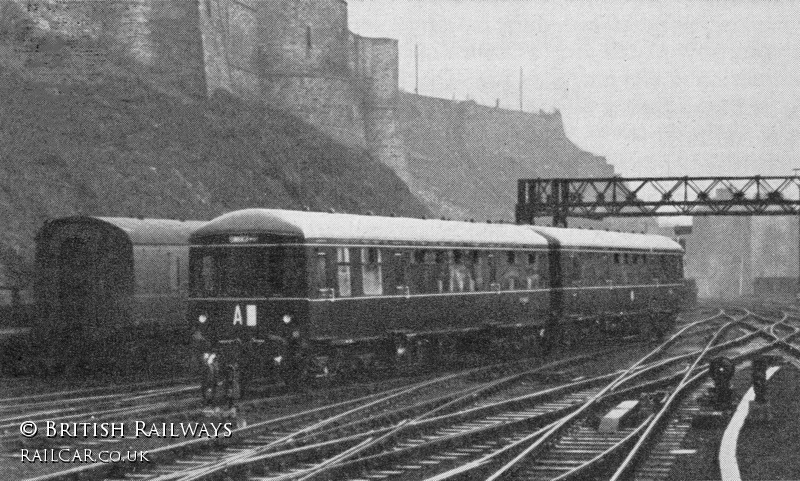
point(511, 257)
point(616, 258)
point(430, 257)
point(492, 268)
point(644, 258)
point(478, 263)
point(174, 263)
point(419, 256)
point(460, 279)
point(625, 258)
point(372, 271)
point(531, 258)
point(343, 272)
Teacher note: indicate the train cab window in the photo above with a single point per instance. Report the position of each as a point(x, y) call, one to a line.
point(344, 283)
point(372, 271)
point(246, 271)
point(208, 276)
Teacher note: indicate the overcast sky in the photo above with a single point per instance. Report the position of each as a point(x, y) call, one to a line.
point(660, 88)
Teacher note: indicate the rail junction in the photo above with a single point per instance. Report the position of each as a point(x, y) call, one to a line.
point(566, 418)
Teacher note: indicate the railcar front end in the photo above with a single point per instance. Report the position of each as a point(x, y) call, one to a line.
point(248, 301)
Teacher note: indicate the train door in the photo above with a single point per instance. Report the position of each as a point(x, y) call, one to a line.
point(400, 282)
point(322, 293)
point(78, 278)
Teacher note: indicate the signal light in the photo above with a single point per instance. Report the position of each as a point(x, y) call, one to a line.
point(722, 370)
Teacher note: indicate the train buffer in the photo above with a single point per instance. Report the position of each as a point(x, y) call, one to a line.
point(612, 421)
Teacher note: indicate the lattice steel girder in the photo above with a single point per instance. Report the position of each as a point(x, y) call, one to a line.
point(654, 197)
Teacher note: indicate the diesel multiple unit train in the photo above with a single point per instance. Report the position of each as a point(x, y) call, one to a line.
point(282, 291)
point(110, 285)
point(310, 291)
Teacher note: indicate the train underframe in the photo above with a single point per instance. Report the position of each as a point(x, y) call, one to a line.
point(229, 368)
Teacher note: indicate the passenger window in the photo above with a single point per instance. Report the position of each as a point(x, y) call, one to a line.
point(371, 271)
point(460, 278)
point(511, 257)
point(419, 256)
point(430, 257)
point(343, 272)
point(492, 268)
point(616, 258)
point(173, 261)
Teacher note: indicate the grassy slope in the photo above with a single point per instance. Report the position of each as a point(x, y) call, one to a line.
point(120, 147)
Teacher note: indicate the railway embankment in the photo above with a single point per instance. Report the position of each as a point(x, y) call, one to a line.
point(117, 145)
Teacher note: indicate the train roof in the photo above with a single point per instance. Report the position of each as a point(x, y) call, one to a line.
point(139, 231)
point(354, 228)
point(357, 228)
point(577, 238)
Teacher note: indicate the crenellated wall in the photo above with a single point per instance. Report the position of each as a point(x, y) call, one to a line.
point(466, 158)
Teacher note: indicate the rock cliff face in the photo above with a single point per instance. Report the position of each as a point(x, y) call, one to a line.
point(464, 159)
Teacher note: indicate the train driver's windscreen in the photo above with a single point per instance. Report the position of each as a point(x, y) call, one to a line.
point(274, 271)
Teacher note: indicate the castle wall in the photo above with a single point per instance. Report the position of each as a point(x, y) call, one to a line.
point(161, 36)
point(466, 158)
point(374, 64)
point(291, 55)
point(462, 158)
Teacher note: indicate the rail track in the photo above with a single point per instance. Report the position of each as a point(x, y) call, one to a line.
point(387, 404)
point(538, 422)
point(297, 444)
